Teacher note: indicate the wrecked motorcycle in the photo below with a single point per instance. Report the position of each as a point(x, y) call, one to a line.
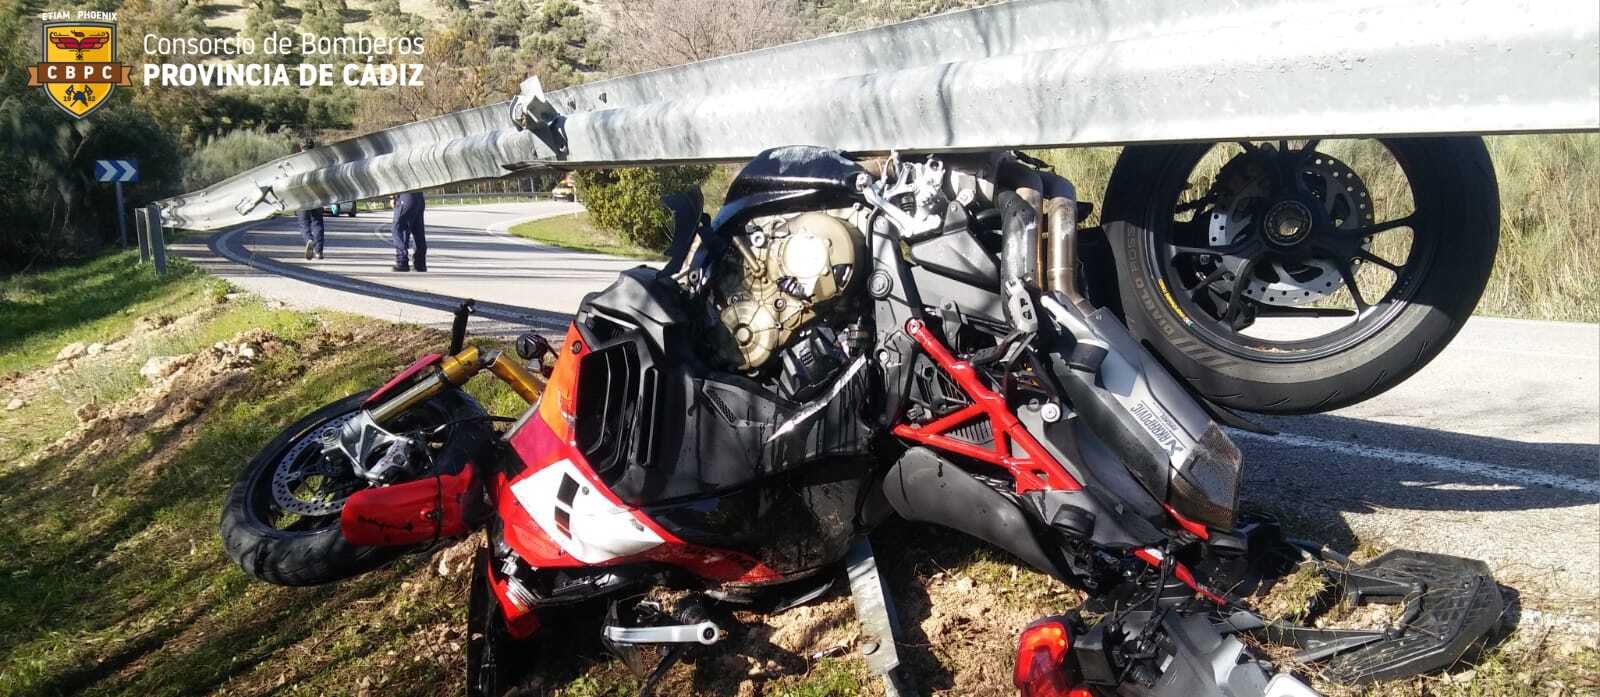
point(843, 342)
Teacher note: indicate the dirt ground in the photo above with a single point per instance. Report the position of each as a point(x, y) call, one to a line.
point(119, 586)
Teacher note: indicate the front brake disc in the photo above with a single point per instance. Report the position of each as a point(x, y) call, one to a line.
point(305, 482)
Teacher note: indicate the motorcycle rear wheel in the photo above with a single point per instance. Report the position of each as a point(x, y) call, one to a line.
point(1177, 288)
point(307, 547)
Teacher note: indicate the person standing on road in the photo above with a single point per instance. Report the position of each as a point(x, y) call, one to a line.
point(311, 222)
point(408, 208)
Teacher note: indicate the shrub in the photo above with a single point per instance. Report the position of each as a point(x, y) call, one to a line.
point(224, 156)
point(51, 207)
point(628, 201)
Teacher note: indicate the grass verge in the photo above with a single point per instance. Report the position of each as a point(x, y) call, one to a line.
point(113, 580)
point(94, 301)
point(576, 232)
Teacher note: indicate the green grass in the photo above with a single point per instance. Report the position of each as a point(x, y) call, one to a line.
point(94, 301)
point(577, 233)
point(830, 677)
point(115, 579)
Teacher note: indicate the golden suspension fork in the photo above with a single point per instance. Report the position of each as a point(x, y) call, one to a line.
point(455, 371)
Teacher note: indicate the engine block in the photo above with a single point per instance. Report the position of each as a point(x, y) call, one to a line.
point(776, 278)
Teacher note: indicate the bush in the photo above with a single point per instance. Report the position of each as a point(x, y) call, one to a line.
point(51, 208)
point(628, 201)
point(224, 156)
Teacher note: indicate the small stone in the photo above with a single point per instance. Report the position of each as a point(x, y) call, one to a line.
point(963, 584)
point(221, 346)
point(15, 404)
point(230, 297)
point(159, 367)
point(249, 351)
point(95, 348)
point(71, 351)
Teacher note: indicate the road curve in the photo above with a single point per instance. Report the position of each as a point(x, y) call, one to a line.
point(1492, 451)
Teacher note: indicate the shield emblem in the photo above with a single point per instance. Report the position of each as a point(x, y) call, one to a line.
point(79, 71)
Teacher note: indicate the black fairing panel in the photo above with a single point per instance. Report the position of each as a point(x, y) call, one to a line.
point(658, 426)
point(787, 178)
point(796, 167)
point(792, 523)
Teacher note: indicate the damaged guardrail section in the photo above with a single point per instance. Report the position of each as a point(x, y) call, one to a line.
point(1023, 74)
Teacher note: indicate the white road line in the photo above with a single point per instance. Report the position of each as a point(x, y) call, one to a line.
point(1515, 475)
point(1535, 354)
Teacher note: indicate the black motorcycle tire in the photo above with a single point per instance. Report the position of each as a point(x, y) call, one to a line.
point(321, 555)
point(489, 671)
point(1452, 181)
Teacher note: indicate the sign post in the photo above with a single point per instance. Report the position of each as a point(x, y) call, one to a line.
point(118, 171)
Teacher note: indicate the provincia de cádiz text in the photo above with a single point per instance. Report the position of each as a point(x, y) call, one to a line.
point(232, 61)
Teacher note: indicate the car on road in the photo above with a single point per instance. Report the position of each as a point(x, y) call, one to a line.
point(343, 208)
point(565, 190)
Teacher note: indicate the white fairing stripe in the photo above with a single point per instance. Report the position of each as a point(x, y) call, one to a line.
point(597, 530)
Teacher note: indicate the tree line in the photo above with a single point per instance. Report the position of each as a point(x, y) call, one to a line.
point(51, 210)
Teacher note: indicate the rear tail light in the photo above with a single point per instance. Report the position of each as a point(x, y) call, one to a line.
point(1041, 661)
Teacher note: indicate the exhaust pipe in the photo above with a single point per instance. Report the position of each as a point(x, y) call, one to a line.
point(1061, 224)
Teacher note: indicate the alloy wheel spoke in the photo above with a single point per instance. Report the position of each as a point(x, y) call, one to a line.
point(1281, 311)
point(1310, 148)
point(1210, 278)
point(1370, 230)
point(1236, 295)
point(1196, 204)
point(1368, 256)
point(1347, 272)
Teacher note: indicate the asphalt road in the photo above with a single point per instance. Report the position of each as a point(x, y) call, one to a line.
point(1492, 451)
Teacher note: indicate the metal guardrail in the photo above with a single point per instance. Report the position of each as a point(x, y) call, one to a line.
point(1025, 74)
point(530, 195)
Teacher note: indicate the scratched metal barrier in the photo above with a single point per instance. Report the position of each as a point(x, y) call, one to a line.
point(1036, 73)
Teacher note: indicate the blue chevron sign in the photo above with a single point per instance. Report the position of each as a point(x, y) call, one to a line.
point(116, 170)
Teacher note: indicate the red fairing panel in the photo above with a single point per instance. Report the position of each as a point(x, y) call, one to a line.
point(414, 512)
point(558, 513)
point(521, 622)
point(405, 375)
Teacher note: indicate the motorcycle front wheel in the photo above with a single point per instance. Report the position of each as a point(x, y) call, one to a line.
point(1294, 277)
point(280, 522)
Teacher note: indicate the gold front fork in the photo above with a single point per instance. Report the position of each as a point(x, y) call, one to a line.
point(455, 371)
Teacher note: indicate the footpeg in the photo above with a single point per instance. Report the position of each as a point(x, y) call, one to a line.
point(705, 633)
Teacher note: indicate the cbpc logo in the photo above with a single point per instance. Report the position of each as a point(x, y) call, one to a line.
point(79, 71)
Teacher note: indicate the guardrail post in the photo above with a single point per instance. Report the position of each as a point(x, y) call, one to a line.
point(141, 229)
point(158, 239)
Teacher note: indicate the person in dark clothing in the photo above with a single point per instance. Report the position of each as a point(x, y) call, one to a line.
point(311, 223)
point(311, 231)
point(408, 209)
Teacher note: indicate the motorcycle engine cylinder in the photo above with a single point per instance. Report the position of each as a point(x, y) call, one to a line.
point(776, 279)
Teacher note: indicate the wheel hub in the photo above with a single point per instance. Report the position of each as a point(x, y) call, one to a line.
point(1287, 223)
point(1335, 199)
point(303, 481)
